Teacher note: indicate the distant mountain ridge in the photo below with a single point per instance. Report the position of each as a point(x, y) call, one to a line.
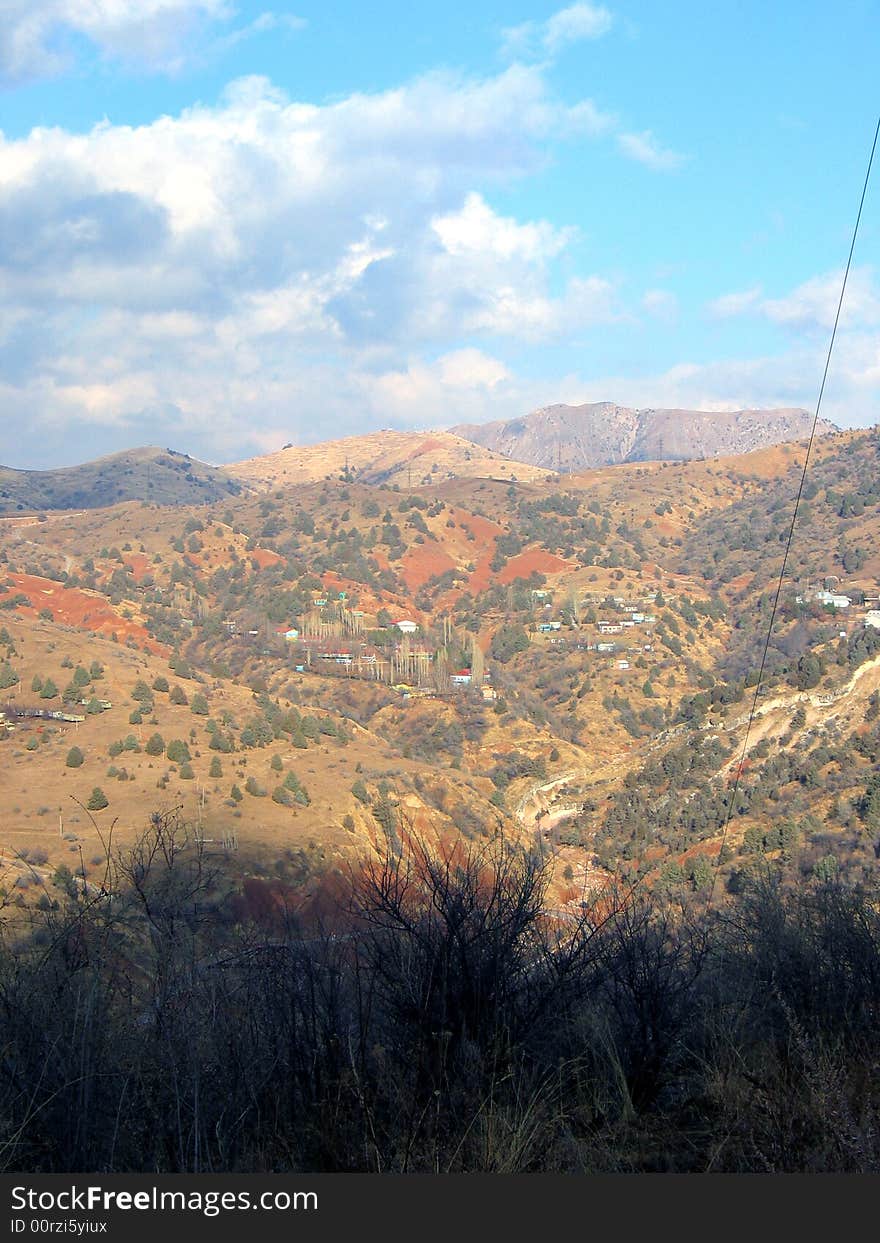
point(562, 437)
point(559, 437)
point(162, 476)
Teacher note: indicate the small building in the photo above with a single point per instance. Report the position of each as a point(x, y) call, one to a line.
point(548, 626)
point(461, 678)
point(605, 647)
point(405, 626)
point(872, 618)
point(623, 664)
point(833, 598)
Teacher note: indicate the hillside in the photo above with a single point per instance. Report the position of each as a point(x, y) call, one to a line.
point(386, 457)
point(570, 659)
point(149, 474)
point(570, 438)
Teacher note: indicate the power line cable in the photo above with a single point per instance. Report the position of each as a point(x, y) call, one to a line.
point(739, 768)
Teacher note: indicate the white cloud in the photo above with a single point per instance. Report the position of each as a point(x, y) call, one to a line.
point(475, 229)
point(662, 304)
point(586, 118)
point(738, 303)
point(465, 380)
point(788, 379)
point(542, 41)
point(264, 23)
point(470, 368)
point(36, 35)
point(533, 316)
point(243, 266)
point(578, 21)
point(570, 25)
point(645, 149)
point(494, 274)
point(812, 305)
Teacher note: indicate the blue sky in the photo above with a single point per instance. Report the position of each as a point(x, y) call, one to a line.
point(225, 227)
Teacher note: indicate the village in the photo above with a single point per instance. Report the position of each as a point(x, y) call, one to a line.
point(337, 640)
point(333, 639)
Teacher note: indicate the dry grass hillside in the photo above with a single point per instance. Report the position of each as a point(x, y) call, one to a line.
point(281, 806)
point(405, 458)
point(617, 617)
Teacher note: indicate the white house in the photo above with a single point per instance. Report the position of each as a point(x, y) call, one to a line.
point(405, 626)
point(872, 618)
point(831, 597)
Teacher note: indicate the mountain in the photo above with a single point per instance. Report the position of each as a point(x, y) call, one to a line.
point(385, 457)
point(568, 438)
point(518, 450)
point(620, 614)
point(161, 476)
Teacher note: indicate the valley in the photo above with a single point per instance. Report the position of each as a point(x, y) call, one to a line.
point(316, 666)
